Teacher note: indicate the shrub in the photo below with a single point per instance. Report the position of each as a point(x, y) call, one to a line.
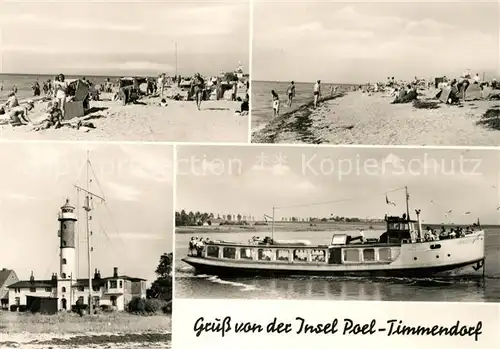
point(23, 308)
point(146, 306)
point(14, 307)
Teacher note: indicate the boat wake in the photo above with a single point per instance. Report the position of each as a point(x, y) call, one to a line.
point(187, 273)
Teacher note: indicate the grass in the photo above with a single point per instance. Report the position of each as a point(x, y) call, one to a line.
point(490, 119)
point(67, 323)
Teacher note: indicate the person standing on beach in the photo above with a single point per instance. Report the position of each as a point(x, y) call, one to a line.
point(276, 104)
point(198, 87)
point(317, 92)
point(161, 83)
point(14, 89)
point(61, 89)
point(291, 93)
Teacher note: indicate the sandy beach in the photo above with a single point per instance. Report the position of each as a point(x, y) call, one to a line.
point(357, 118)
point(116, 330)
point(179, 121)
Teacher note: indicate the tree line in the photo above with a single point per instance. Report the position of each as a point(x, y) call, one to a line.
point(184, 218)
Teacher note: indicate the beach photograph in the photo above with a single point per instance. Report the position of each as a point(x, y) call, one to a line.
point(86, 252)
point(125, 71)
point(330, 223)
point(376, 73)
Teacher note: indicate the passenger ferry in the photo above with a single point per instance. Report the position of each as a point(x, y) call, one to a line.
point(403, 250)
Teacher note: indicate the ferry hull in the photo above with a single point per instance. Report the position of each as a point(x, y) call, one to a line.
point(469, 268)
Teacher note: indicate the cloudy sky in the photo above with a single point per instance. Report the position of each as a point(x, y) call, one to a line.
point(250, 180)
point(369, 41)
point(131, 233)
point(114, 38)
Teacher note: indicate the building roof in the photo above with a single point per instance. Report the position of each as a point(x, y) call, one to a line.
point(4, 275)
point(79, 282)
point(35, 283)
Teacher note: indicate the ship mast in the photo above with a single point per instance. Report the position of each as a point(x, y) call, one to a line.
point(87, 207)
point(272, 224)
point(407, 204)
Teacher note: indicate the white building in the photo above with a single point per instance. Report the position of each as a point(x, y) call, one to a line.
point(115, 291)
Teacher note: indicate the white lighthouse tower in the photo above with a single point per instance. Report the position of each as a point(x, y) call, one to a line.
point(67, 276)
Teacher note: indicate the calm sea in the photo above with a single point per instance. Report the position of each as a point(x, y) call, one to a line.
point(24, 83)
point(188, 285)
point(262, 110)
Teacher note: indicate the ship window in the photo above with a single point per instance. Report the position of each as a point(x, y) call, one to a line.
point(213, 251)
point(229, 252)
point(351, 255)
point(264, 254)
point(245, 253)
point(384, 254)
point(369, 254)
point(282, 255)
point(318, 255)
point(300, 255)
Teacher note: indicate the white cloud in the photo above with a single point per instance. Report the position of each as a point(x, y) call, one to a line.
point(122, 192)
point(137, 236)
point(22, 197)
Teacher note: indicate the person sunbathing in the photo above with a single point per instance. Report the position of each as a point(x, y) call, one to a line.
point(54, 118)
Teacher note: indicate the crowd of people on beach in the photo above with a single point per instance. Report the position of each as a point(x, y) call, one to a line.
point(451, 91)
point(58, 92)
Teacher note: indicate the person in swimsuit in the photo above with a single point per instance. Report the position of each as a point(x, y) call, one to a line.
point(19, 115)
point(291, 93)
point(61, 88)
point(276, 103)
point(198, 86)
point(317, 92)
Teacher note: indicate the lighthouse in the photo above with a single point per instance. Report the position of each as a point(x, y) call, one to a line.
point(67, 255)
point(67, 219)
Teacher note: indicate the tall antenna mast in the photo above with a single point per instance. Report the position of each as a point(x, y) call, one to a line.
point(272, 224)
point(176, 59)
point(87, 207)
point(407, 204)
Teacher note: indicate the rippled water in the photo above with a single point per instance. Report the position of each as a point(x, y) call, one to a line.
point(189, 285)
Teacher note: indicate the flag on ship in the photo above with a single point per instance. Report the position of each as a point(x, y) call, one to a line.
point(389, 202)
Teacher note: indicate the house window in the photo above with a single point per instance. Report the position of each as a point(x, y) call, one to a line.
point(64, 261)
point(18, 290)
point(112, 284)
point(32, 289)
point(48, 289)
point(63, 275)
point(121, 284)
point(63, 289)
point(81, 288)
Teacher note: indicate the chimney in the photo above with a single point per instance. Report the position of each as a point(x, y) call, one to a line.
point(115, 272)
point(32, 278)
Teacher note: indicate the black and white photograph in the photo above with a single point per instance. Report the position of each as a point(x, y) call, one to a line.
point(86, 252)
point(171, 71)
point(376, 72)
point(379, 224)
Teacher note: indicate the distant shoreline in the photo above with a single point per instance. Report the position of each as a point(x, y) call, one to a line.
point(301, 226)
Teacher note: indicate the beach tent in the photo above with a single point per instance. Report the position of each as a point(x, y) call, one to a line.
point(473, 93)
point(445, 94)
point(76, 108)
